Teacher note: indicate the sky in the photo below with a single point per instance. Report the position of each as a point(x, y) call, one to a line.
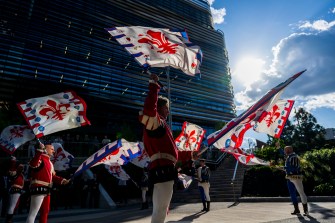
point(269, 41)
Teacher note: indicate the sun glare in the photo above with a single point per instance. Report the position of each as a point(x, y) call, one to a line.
point(248, 70)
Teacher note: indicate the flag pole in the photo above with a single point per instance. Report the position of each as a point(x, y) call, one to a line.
point(167, 72)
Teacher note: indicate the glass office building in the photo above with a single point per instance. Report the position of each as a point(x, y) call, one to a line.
point(50, 46)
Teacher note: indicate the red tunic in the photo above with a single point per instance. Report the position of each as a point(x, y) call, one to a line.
point(157, 137)
point(43, 173)
point(17, 178)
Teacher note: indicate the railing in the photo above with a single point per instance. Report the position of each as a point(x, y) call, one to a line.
point(215, 161)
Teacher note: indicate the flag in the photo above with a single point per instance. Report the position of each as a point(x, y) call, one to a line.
point(54, 113)
point(273, 120)
point(143, 159)
point(62, 160)
point(184, 181)
point(190, 137)
point(117, 171)
point(245, 158)
point(156, 47)
point(13, 136)
point(232, 134)
point(118, 152)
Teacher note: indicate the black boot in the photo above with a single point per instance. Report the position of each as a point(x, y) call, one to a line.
point(296, 209)
point(208, 206)
point(305, 206)
point(9, 218)
point(204, 204)
point(146, 205)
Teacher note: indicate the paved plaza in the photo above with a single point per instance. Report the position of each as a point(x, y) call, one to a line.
point(248, 212)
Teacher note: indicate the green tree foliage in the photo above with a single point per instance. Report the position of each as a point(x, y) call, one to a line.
point(265, 182)
point(304, 133)
point(319, 169)
point(269, 153)
point(307, 134)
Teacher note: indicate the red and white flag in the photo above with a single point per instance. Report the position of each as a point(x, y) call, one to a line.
point(13, 136)
point(53, 113)
point(117, 171)
point(190, 137)
point(267, 115)
point(62, 160)
point(245, 158)
point(143, 159)
point(272, 121)
point(118, 152)
point(156, 47)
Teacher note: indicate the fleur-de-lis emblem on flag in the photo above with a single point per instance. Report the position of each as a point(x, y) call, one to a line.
point(55, 109)
point(272, 116)
point(158, 39)
point(190, 138)
point(16, 132)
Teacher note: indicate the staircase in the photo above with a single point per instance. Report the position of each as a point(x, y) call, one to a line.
point(222, 189)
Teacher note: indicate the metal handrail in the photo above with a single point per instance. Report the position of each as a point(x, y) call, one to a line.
point(218, 161)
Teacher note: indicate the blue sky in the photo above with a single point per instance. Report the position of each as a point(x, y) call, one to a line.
point(270, 40)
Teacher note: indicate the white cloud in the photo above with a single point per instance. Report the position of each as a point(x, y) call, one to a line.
point(218, 15)
point(317, 101)
point(333, 11)
point(319, 25)
point(243, 101)
point(309, 50)
point(210, 2)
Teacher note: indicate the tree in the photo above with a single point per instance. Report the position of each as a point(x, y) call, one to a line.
point(286, 135)
point(307, 134)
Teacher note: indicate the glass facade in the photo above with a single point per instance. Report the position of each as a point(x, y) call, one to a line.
point(50, 46)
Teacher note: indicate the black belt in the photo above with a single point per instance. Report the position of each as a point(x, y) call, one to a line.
point(14, 190)
point(160, 174)
point(39, 190)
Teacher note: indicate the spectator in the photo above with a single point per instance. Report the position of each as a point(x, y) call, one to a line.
point(123, 191)
point(144, 188)
point(105, 140)
point(84, 190)
point(94, 197)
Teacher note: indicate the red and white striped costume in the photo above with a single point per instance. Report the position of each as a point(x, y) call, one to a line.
point(42, 177)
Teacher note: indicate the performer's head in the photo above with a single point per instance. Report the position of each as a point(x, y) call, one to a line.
point(288, 150)
point(202, 162)
point(49, 148)
point(19, 168)
point(163, 106)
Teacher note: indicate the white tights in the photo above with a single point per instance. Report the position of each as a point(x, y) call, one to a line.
point(161, 198)
point(13, 198)
point(35, 205)
point(144, 195)
point(300, 188)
